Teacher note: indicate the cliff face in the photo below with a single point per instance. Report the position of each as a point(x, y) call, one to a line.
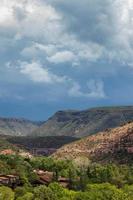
point(112, 145)
point(84, 123)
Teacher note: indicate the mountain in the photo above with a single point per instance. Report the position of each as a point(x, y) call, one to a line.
point(69, 123)
point(112, 145)
point(14, 127)
point(84, 123)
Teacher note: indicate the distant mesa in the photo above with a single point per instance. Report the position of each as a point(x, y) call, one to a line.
point(83, 123)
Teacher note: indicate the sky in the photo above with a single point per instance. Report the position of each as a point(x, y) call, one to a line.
point(60, 55)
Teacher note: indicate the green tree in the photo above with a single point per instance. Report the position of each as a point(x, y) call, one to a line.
point(27, 196)
point(83, 179)
point(44, 193)
point(57, 189)
point(128, 189)
point(20, 191)
point(105, 191)
point(6, 193)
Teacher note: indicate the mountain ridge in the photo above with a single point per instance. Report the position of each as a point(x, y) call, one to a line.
point(17, 126)
point(71, 123)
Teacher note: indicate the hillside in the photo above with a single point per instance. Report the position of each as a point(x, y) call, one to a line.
point(41, 142)
point(14, 127)
point(4, 144)
point(112, 145)
point(84, 123)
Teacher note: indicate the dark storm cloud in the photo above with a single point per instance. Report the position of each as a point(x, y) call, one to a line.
point(89, 19)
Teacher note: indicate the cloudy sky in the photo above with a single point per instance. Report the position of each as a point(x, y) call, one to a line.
point(64, 54)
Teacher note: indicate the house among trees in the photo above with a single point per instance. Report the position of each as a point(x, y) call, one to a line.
point(65, 182)
point(46, 178)
point(9, 180)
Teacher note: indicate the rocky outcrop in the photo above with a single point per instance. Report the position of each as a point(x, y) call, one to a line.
point(114, 144)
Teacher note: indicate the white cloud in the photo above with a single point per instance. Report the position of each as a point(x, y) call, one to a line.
point(48, 49)
point(108, 24)
point(90, 52)
point(95, 90)
point(71, 32)
point(42, 24)
point(61, 57)
point(39, 74)
point(32, 18)
point(104, 29)
point(37, 49)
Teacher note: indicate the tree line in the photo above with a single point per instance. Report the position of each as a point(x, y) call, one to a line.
point(90, 182)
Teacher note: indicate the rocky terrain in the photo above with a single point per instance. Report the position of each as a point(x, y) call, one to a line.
point(84, 123)
point(15, 127)
point(112, 145)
